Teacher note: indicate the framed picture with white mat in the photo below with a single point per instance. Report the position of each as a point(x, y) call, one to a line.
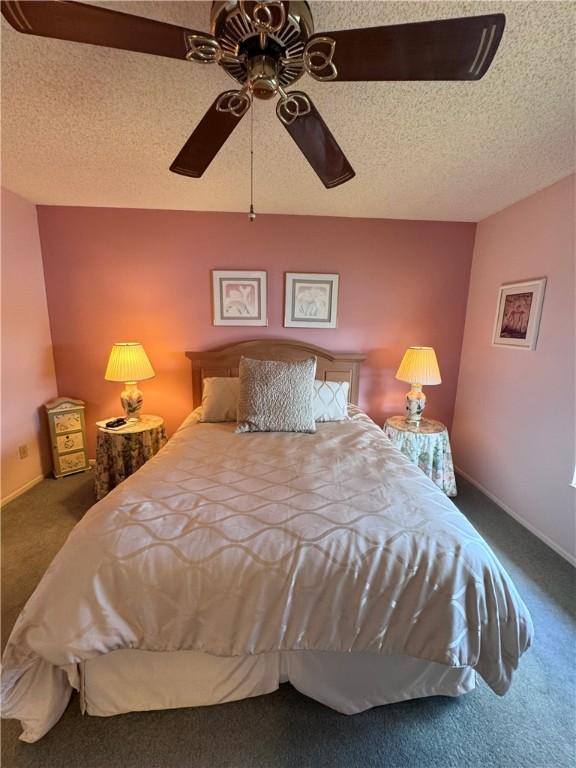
point(518, 314)
point(311, 300)
point(239, 297)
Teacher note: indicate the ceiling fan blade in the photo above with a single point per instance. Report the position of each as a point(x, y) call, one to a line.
point(303, 122)
point(451, 49)
point(84, 23)
point(211, 133)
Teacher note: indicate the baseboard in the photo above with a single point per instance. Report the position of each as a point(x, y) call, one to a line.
point(21, 490)
point(542, 536)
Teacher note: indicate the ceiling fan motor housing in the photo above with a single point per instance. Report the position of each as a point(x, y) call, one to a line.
point(265, 42)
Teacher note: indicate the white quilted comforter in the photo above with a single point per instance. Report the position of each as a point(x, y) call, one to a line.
point(237, 544)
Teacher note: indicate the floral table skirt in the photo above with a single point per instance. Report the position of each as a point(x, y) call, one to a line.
point(119, 455)
point(428, 447)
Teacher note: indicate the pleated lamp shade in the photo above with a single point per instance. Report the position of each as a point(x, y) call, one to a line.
point(419, 366)
point(128, 362)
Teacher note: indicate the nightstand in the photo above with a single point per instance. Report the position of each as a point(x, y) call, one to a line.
point(120, 452)
point(68, 435)
point(428, 446)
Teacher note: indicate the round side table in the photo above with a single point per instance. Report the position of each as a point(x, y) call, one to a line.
point(120, 452)
point(428, 446)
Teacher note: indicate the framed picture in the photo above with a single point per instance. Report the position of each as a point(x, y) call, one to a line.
point(239, 298)
point(310, 300)
point(518, 314)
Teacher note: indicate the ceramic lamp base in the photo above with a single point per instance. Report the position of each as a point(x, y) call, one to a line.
point(415, 404)
point(132, 400)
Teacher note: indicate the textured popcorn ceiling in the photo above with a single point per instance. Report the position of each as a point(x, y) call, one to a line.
point(84, 125)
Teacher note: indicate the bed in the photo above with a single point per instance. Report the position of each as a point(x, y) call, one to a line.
point(231, 563)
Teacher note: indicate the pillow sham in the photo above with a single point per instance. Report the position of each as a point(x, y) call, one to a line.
point(220, 398)
point(276, 396)
point(331, 400)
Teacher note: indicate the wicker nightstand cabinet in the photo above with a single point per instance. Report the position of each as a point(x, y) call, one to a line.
point(120, 452)
point(427, 445)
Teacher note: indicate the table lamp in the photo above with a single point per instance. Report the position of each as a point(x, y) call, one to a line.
point(419, 366)
point(128, 362)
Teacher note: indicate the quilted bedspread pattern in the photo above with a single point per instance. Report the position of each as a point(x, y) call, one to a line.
point(237, 544)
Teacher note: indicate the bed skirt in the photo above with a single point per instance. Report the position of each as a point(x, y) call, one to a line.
point(132, 680)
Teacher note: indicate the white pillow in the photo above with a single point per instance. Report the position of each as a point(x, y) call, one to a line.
point(220, 398)
point(331, 400)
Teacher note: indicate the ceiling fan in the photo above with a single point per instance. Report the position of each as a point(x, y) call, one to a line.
point(266, 47)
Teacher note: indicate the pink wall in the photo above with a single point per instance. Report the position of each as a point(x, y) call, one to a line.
point(28, 378)
point(514, 424)
point(114, 275)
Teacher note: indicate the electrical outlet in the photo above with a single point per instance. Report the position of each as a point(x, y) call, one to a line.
point(23, 451)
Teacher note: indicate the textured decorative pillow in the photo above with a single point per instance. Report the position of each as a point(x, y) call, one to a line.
point(220, 398)
point(331, 400)
point(276, 396)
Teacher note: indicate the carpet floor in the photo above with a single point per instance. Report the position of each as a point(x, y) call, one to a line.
point(533, 725)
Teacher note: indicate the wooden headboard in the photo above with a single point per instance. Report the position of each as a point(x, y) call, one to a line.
point(224, 361)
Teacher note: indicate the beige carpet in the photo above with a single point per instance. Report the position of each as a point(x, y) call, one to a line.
point(534, 725)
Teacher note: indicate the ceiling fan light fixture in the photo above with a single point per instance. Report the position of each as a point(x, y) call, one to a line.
point(263, 77)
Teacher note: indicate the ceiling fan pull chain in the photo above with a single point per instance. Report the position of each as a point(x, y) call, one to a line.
point(252, 215)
